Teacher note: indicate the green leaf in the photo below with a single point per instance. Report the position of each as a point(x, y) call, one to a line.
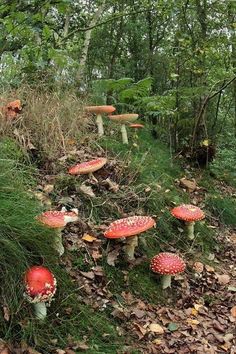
point(173, 326)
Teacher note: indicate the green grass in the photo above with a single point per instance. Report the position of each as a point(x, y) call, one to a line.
point(223, 208)
point(23, 243)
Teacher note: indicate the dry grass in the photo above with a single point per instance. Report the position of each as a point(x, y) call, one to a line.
point(51, 122)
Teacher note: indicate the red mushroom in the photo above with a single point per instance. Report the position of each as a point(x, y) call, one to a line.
point(88, 167)
point(124, 119)
point(58, 220)
point(40, 287)
point(167, 264)
point(99, 110)
point(188, 213)
point(129, 227)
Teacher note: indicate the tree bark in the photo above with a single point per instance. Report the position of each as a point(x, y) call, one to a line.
point(85, 48)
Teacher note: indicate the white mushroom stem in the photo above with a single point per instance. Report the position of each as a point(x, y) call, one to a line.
point(40, 310)
point(58, 242)
point(99, 122)
point(124, 134)
point(131, 243)
point(92, 177)
point(166, 281)
point(190, 229)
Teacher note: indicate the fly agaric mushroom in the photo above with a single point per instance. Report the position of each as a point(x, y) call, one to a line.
point(40, 287)
point(188, 213)
point(124, 119)
point(88, 167)
point(99, 110)
point(167, 264)
point(129, 228)
point(58, 220)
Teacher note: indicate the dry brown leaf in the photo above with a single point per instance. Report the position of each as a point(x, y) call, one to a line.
point(198, 267)
point(48, 188)
point(88, 275)
point(155, 327)
point(190, 185)
point(157, 341)
point(112, 256)
point(192, 322)
point(87, 190)
point(223, 279)
point(6, 313)
point(209, 268)
point(233, 311)
point(88, 238)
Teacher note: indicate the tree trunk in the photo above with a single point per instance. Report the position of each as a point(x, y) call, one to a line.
point(85, 48)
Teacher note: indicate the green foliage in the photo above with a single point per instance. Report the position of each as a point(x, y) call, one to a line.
point(223, 208)
point(223, 166)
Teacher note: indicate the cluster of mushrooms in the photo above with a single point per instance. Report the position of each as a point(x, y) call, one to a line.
point(122, 119)
point(40, 284)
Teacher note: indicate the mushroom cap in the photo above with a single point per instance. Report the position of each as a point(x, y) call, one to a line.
point(57, 219)
point(167, 264)
point(40, 284)
point(123, 118)
point(87, 167)
point(188, 212)
point(100, 109)
point(136, 125)
point(130, 226)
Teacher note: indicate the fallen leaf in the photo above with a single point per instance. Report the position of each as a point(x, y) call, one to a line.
point(233, 311)
point(232, 288)
point(198, 267)
point(6, 313)
point(157, 341)
point(87, 190)
point(156, 328)
point(89, 275)
point(88, 238)
point(223, 279)
point(190, 185)
point(193, 322)
point(112, 257)
point(173, 326)
point(209, 268)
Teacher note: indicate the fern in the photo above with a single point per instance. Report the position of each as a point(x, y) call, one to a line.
point(134, 92)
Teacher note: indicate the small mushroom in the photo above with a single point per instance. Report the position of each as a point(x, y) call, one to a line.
point(40, 287)
point(129, 228)
point(88, 167)
point(167, 264)
point(188, 213)
point(99, 110)
point(124, 119)
point(58, 220)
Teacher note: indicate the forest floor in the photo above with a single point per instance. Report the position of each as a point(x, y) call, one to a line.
point(129, 312)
